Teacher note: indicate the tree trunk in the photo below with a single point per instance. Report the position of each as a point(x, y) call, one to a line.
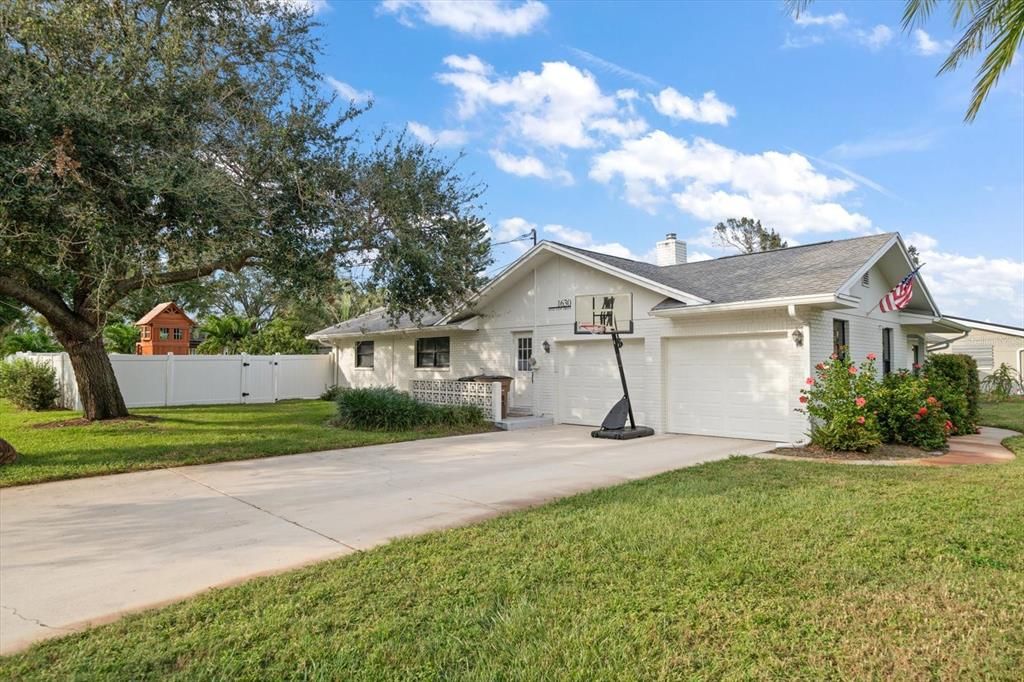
point(97, 384)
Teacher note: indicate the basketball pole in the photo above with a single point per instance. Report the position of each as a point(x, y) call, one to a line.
point(617, 344)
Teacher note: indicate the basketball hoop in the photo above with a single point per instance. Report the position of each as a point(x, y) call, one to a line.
point(593, 328)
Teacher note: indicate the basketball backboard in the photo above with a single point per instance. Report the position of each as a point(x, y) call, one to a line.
point(604, 314)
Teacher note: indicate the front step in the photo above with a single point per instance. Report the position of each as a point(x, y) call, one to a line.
point(520, 412)
point(511, 423)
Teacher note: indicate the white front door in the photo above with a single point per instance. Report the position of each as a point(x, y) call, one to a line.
point(522, 371)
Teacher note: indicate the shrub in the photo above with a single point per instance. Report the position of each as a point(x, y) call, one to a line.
point(908, 414)
point(953, 379)
point(1002, 383)
point(29, 385)
point(387, 409)
point(331, 393)
point(838, 401)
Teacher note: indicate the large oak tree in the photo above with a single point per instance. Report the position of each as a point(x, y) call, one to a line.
point(145, 143)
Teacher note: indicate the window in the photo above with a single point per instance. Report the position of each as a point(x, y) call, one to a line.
point(165, 332)
point(433, 352)
point(364, 354)
point(179, 334)
point(916, 350)
point(145, 333)
point(840, 337)
point(886, 350)
point(524, 352)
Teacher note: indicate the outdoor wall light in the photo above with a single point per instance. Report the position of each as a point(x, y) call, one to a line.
point(798, 337)
point(546, 346)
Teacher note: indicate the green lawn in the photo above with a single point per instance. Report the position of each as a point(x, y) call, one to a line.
point(182, 435)
point(743, 568)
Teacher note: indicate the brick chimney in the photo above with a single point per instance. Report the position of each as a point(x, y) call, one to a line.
point(670, 251)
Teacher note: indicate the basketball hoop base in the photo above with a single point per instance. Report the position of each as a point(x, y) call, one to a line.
point(625, 433)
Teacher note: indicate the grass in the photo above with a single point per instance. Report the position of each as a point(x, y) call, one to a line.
point(743, 568)
point(181, 435)
point(1006, 415)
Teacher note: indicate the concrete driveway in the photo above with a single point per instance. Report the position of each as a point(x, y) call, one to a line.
point(78, 553)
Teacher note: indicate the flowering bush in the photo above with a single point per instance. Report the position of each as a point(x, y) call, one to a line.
point(838, 400)
point(953, 379)
point(908, 414)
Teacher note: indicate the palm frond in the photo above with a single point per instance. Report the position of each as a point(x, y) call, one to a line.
point(1002, 48)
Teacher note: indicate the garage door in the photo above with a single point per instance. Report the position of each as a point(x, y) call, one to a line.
point(729, 386)
point(589, 379)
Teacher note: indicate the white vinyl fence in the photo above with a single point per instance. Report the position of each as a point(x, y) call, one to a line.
point(159, 380)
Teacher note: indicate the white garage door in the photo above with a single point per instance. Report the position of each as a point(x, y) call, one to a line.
point(589, 381)
point(730, 386)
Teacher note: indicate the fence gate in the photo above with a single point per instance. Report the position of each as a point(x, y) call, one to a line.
point(259, 378)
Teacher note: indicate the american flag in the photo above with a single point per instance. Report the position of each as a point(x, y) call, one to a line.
point(899, 296)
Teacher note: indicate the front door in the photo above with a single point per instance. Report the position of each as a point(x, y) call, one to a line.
point(522, 372)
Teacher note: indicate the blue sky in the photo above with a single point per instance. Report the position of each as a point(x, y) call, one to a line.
point(607, 125)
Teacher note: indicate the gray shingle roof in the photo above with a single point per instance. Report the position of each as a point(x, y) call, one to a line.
point(377, 321)
point(819, 268)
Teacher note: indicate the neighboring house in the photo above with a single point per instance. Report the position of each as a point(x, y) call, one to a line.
point(719, 347)
point(991, 345)
point(164, 329)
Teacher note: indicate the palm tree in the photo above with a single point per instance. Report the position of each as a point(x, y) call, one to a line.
point(995, 27)
point(224, 335)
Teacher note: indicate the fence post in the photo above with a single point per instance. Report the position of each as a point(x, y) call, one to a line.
point(277, 368)
point(169, 379)
point(241, 377)
point(496, 401)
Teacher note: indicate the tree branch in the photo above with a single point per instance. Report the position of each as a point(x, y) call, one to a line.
point(43, 300)
point(125, 286)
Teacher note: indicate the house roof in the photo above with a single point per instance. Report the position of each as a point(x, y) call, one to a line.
point(989, 326)
point(823, 267)
point(377, 321)
point(809, 269)
point(159, 308)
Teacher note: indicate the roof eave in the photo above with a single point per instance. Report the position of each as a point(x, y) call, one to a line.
point(470, 324)
point(827, 300)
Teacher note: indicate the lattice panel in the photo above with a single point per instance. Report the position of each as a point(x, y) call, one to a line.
point(440, 392)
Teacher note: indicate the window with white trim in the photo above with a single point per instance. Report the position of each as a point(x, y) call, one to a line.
point(840, 337)
point(886, 350)
point(524, 353)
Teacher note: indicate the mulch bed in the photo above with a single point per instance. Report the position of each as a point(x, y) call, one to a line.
point(881, 452)
point(133, 419)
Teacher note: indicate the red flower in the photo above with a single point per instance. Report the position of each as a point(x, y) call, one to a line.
point(820, 365)
point(917, 417)
point(860, 420)
point(834, 356)
point(803, 399)
point(871, 356)
point(932, 400)
point(949, 425)
point(917, 365)
point(810, 381)
point(923, 411)
point(853, 370)
point(860, 401)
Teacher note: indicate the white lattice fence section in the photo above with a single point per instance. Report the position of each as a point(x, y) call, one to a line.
point(486, 396)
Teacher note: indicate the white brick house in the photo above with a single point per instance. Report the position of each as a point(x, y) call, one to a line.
point(718, 347)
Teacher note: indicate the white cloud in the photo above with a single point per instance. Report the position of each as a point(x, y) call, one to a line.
point(585, 240)
point(348, 92)
point(612, 67)
point(835, 20)
point(440, 138)
point(479, 18)
point(927, 46)
point(884, 144)
point(511, 228)
point(669, 102)
point(470, 63)
point(799, 42)
point(875, 39)
point(713, 183)
point(977, 287)
point(526, 166)
point(561, 106)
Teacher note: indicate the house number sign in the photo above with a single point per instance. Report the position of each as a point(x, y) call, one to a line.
point(561, 304)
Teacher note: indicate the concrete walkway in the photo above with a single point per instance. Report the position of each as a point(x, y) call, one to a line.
point(78, 553)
